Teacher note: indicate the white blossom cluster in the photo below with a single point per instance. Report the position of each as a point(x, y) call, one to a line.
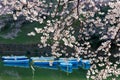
point(70, 25)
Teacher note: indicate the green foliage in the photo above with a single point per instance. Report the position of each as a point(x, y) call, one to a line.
point(22, 37)
point(50, 41)
point(103, 9)
point(5, 29)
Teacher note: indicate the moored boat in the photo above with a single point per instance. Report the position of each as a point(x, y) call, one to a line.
point(14, 57)
point(86, 64)
point(16, 63)
point(45, 62)
point(66, 67)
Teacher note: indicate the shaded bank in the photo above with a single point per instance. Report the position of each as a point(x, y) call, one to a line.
point(23, 49)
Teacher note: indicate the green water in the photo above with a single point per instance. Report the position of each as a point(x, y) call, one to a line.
point(15, 73)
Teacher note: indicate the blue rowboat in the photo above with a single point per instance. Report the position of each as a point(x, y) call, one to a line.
point(80, 62)
point(73, 59)
point(16, 63)
point(86, 64)
point(66, 67)
point(46, 64)
point(74, 62)
point(42, 58)
point(14, 57)
point(62, 60)
point(48, 58)
point(34, 58)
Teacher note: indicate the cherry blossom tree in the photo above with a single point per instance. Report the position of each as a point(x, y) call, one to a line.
point(73, 27)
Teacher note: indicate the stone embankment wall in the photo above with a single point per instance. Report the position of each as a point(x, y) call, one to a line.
point(23, 49)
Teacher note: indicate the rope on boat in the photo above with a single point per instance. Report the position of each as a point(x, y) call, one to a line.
point(33, 71)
